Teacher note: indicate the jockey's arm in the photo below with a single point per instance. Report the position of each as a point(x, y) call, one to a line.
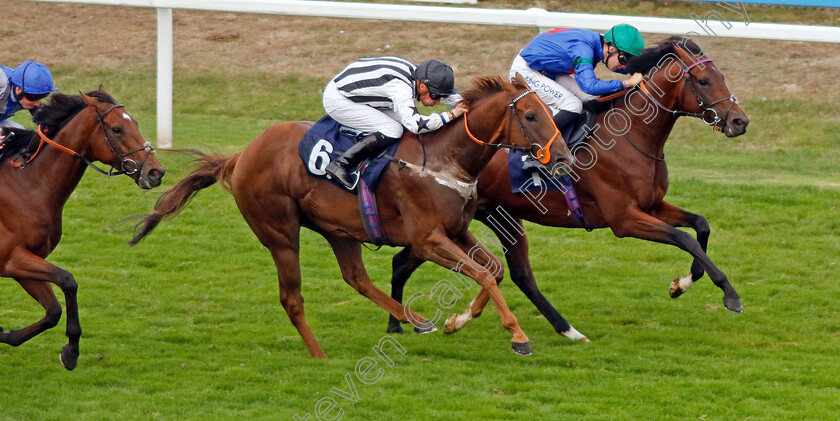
point(412, 120)
point(452, 100)
point(589, 83)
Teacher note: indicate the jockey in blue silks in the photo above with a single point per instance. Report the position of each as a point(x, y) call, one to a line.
point(560, 66)
point(23, 89)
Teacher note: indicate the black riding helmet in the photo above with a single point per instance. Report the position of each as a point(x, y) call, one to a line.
point(438, 77)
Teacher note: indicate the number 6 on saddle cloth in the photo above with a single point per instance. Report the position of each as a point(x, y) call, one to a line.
point(326, 141)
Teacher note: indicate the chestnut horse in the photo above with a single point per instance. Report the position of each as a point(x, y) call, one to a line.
point(74, 131)
point(620, 178)
point(425, 200)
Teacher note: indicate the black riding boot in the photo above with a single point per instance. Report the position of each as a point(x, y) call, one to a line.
point(563, 118)
point(342, 168)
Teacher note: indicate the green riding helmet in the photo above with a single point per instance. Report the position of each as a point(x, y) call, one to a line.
point(626, 38)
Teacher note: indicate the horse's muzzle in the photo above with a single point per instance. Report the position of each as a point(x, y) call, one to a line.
point(736, 126)
point(151, 178)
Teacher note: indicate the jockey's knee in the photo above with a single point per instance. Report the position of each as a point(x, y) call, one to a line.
point(394, 131)
point(572, 104)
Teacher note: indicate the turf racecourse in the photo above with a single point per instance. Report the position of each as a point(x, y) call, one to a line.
point(188, 325)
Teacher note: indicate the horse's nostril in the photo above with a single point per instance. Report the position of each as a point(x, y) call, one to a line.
point(741, 122)
point(156, 174)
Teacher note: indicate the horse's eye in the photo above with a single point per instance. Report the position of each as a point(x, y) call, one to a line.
point(117, 130)
point(530, 116)
point(703, 82)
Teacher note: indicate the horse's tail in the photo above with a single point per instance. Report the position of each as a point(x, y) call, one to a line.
point(212, 169)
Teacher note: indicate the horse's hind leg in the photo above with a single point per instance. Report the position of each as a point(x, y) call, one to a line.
point(288, 273)
point(403, 265)
point(34, 274)
point(678, 217)
point(275, 220)
point(349, 255)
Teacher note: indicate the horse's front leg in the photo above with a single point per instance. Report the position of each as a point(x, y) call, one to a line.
point(519, 266)
point(638, 224)
point(33, 273)
point(470, 258)
point(403, 265)
point(678, 217)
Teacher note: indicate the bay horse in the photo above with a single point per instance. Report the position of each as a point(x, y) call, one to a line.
point(73, 132)
point(621, 178)
point(426, 199)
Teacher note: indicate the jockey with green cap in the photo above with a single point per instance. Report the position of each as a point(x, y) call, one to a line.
point(560, 66)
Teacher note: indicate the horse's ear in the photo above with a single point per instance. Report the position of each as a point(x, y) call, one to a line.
point(516, 84)
point(519, 81)
point(102, 88)
point(89, 100)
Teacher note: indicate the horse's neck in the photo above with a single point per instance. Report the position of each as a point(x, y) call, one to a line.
point(650, 124)
point(59, 170)
point(450, 149)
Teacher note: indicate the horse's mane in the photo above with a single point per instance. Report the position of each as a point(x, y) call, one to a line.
point(51, 117)
point(483, 87)
point(650, 57)
point(63, 107)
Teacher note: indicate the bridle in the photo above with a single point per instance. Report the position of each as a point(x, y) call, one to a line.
point(133, 168)
point(127, 166)
point(538, 152)
point(708, 115)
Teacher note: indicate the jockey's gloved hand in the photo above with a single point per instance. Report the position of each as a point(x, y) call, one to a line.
point(634, 80)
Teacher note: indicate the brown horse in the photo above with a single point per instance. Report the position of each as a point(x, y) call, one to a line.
point(620, 177)
point(426, 200)
point(75, 131)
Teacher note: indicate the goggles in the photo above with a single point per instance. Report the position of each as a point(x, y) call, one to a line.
point(34, 97)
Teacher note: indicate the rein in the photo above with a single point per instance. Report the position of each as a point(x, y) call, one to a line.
point(121, 157)
point(538, 152)
point(713, 119)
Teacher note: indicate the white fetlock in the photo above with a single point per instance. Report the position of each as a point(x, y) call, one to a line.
point(685, 282)
point(574, 335)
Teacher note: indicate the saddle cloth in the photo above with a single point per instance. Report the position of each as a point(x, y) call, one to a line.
point(524, 170)
point(326, 141)
point(525, 174)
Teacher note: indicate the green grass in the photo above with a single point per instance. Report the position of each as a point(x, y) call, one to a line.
point(188, 324)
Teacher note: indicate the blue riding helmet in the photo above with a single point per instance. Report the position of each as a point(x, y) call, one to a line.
point(33, 78)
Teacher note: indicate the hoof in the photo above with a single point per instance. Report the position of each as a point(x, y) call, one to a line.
point(69, 357)
point(675, 290)
point(425, 329)
point(449, 326)
point(522, 348)
point(395, 329)
point(733, 305)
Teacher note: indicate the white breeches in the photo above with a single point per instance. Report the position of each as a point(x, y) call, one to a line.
point(561, 93)
point(360, 116)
